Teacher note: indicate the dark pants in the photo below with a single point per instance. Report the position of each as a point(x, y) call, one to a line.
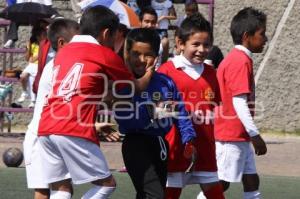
point(13, 31)
point(145, 158)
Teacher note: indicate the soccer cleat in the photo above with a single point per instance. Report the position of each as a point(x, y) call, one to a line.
point(23, 97)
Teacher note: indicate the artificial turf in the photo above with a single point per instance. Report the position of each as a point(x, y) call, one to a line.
point(13, 186)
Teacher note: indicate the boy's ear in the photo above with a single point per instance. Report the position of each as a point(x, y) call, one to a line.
point(245, 37)
point(60, 42)
point(180, 44)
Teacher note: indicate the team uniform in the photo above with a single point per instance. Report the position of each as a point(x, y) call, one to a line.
point(66, 131)
point(199, 89)
point(32, 149)
point(145, 150)
point(235, 156)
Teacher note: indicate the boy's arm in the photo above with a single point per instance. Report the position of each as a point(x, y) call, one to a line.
point(243, 112)
point(182, 120)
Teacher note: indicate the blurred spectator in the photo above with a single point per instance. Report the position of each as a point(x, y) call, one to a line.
point(190, 7)
point(148, 19)
point(12, 34)
point(27, 77)
point(165, 12)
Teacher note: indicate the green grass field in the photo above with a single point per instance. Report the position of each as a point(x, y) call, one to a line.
point(13, 186)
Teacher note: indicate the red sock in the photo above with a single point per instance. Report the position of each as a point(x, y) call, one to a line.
point(172, 193)
point(215, 192)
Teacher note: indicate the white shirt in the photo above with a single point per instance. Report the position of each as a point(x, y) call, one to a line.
point(192, 70)
point(162, 9)
point(44, 88)
point(45, 2)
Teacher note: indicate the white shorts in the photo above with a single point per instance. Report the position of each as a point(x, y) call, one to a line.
point(79, 157)
point(234, 159)
point(36, 178)
point(181, 179)
point(31, 69)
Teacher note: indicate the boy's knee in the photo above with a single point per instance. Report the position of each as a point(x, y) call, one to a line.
point(250, 182)
point(107, 182)
point(41, 193)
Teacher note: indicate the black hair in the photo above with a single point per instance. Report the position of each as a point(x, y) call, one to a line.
point(215, 55)
point(193, 24)
point(62, 28)
point(96, 19)
point(35, 32)
point(147, 10)
point(145, 35)
point(246, 20)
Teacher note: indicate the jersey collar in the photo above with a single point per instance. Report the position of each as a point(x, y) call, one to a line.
point(245, 50)
point(84, 38)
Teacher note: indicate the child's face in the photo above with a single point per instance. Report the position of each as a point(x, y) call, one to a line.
point(140, 56)
point(257, 41)
point(149, 21)
point(196, 48)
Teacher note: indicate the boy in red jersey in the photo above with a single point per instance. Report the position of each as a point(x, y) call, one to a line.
point(199, 87)
point(234, 125)
point(80, 79)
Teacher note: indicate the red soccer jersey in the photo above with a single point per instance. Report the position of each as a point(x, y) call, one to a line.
point(235, 77)
point(80, 71)
point(200, 97)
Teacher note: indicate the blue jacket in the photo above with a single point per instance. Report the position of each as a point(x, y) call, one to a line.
point(138, 120)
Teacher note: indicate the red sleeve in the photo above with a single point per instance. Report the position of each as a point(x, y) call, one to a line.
point(42, 57)
point(164, 68)
point(116, 69)
point(239, 78)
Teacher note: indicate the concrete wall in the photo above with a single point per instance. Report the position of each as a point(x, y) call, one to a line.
point(278, 89)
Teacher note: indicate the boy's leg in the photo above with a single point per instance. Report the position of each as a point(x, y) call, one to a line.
point(212, 190)
point(145, 166)
point(103, 189)
point(82, 159)
point(61, 189)
point(34, 170)
point(41, 194)
point(173, 192)
point(250, 178)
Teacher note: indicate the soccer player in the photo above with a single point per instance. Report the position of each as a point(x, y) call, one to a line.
point(234, 125)
point(144, 149)
point(199, 87)
point(60, 32)
point(80, 79)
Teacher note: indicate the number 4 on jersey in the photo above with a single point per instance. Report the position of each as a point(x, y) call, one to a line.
point(69, 84)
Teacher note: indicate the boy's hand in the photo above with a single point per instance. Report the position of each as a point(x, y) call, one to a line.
point(107, 131)
point(191, 154)
point(259, 145)
point(189, 150)
point(151, 65)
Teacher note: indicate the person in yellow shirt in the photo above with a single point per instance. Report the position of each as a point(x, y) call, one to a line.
point(28, 75)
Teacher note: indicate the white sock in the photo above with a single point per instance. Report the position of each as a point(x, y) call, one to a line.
point(252, 195)
point(201, 195)
point(60, 195)
point(98, 192)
